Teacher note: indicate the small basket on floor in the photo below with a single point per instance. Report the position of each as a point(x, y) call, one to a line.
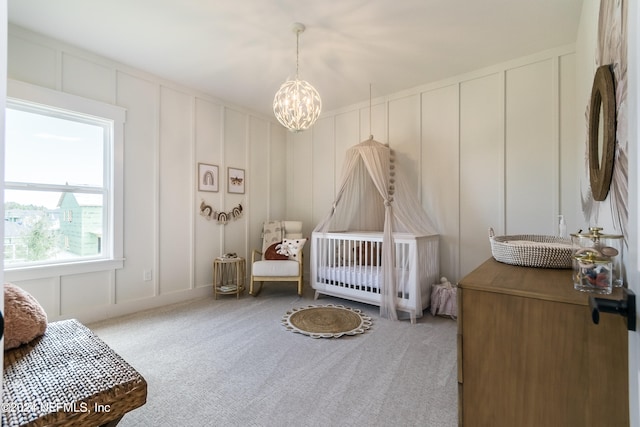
point(444, 299)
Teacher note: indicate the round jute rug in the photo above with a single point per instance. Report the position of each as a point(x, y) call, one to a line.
point(326, 321)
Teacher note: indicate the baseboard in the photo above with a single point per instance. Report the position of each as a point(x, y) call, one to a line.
point(96, 314)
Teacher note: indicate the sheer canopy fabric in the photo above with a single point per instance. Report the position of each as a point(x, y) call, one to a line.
point(375, 196)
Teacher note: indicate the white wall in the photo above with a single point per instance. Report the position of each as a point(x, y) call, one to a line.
point(493, 148)
point(586, 68)
point(3, 99)
point(633, 267)
point(169, 129)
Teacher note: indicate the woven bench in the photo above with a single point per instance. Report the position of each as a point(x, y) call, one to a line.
point(68, 377)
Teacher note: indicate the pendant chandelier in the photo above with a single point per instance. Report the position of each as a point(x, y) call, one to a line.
point(297, 104)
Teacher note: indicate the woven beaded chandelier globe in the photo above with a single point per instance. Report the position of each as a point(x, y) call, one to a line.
point(297, 104)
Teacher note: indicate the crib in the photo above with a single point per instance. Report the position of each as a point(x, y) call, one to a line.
point(347, 265)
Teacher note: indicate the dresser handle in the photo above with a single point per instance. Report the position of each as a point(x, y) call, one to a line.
point(625, 307)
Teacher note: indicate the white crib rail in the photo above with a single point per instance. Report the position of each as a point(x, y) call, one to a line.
point(347, 265)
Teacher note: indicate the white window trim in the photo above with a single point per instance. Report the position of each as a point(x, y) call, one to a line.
point(48, 97)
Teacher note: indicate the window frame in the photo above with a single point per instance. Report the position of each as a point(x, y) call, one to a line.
point(24, 92)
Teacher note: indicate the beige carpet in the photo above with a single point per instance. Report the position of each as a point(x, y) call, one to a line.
point(231, 362)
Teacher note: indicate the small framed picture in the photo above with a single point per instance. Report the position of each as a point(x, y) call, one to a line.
point(236, 180)
point(207, 177)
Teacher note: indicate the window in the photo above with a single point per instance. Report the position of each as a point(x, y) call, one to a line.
point(63, 191)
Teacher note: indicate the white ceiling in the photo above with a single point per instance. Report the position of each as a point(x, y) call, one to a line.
point(242, 50)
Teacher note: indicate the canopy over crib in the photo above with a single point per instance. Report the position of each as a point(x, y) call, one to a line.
point(375, 196)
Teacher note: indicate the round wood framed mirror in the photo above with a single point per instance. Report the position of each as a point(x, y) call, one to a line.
point(602, 132)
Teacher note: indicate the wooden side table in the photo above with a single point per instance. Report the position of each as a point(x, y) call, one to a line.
point(228, 276)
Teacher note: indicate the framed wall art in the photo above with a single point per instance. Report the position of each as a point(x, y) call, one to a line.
point(235, 181)
point(207, 177)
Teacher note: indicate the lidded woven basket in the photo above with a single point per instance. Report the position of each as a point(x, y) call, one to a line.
point(531, 250)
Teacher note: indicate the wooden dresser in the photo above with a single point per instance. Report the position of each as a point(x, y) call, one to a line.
point(529, 354)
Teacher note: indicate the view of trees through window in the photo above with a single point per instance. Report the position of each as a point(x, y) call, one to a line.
point(32, 234)
point(36, 233)
point(56, 185)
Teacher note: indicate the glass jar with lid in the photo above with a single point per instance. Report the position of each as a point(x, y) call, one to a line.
point(597, 261)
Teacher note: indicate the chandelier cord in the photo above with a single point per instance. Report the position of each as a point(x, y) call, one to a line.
point(297, 52)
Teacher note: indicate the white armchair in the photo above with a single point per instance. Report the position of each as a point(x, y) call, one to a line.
point(269, 265)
